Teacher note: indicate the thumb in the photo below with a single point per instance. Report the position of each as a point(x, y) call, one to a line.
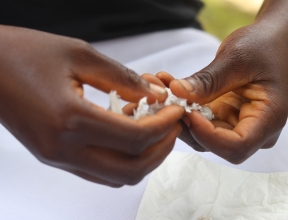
point(106, 74)
point(218, 78)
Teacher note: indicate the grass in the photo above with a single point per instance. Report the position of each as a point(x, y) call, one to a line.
point(220, 18)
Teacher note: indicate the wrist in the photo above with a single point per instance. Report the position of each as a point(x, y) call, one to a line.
point(272, 20)
point(274, 13)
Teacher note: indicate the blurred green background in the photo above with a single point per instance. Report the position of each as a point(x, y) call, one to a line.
point(221, 17)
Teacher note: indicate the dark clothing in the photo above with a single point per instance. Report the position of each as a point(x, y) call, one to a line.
point(94, 20)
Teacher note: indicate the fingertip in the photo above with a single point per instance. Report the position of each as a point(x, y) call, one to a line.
point(145, 75)
point(183, 88)
point(157, 89)
point(178, 89)
point(156, 94)
point(129, 108)
point(170, 113)
point(218, 140)
point(199, 124)
point(152, 79)
point(179, 109)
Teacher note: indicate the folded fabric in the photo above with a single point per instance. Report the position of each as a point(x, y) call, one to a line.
point(188, 187)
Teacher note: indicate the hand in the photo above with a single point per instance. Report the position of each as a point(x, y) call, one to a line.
point(246, 88)
point(163, 79)
point(42, 105)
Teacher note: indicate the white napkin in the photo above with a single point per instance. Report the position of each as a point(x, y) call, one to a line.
point(188, 187)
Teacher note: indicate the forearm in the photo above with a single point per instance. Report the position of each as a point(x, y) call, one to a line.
point(272, 24)
point(274, 13)
point(273, 17)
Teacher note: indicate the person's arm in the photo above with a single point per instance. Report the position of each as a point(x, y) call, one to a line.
point(42, 105)
point(246, 85)
point(274, 11)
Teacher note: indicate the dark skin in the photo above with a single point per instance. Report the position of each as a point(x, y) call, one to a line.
point(246, 86)
point(41, 78)
point(42, 104)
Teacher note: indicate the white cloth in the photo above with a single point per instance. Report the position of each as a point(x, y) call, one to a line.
point(30, 190)
point(188, 187)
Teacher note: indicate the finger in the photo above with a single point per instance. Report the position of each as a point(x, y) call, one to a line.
point(129, 108)
point(165, 77)
point(187, 138)
point(153, 79)
point(165, 117)
point(227, 108)
point(97, 126)
point(235, 145)
point(218, 78)
point(232, 99)
point(106, 74)
point(121, 168)
point(229, 114)
point(222, 124)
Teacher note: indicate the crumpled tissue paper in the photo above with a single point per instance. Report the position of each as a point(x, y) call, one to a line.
point(188, 187)
point(143, 109)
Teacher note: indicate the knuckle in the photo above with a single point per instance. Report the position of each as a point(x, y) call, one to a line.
point(269, 144)
point(133, 174)
point(130, 78)
point(236, 160)
point(237, 155)
point(49, 154)
point(207, 79)
point(50, 149)
point(81, 51)
point(67, 118)
point(68, 122)
point(134, 181)
point(82, 46)
point(272, 140)
point(135, 178)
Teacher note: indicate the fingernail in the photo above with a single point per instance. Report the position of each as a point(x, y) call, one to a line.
point(157, 89)
point(187, 85)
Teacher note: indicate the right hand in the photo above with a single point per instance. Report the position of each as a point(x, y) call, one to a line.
point(42, 105)
point(246, 88)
